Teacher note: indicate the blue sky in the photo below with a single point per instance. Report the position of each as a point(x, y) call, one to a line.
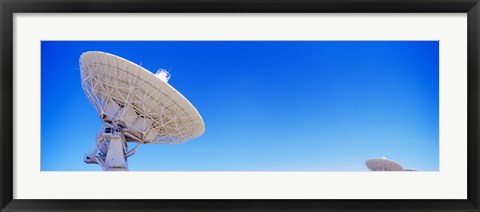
point(267, 105)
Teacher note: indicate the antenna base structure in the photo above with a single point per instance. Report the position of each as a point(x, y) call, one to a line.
point(111, 149)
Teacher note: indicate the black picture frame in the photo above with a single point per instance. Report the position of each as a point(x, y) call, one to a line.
point(9, 7)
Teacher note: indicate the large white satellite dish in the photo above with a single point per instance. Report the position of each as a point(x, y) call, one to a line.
point(383, 164)
point(136, 106)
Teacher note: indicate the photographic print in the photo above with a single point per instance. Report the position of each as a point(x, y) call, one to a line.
point(324, 106)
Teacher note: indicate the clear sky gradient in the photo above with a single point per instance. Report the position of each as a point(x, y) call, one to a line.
point(267, 106)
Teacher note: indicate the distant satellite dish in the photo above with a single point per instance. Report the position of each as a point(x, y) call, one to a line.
point(383, 164)
point(136, 106)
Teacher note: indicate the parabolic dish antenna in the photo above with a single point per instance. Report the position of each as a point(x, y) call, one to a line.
point(135, 106)
point(383, 164)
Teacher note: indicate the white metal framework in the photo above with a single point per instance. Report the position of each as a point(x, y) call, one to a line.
point(135, 105)
point(383, 164)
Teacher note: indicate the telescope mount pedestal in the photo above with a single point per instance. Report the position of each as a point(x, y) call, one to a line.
point(111, 150)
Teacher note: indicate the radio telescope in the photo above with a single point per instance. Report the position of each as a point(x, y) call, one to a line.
point(135, 106)
point(383, 164)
